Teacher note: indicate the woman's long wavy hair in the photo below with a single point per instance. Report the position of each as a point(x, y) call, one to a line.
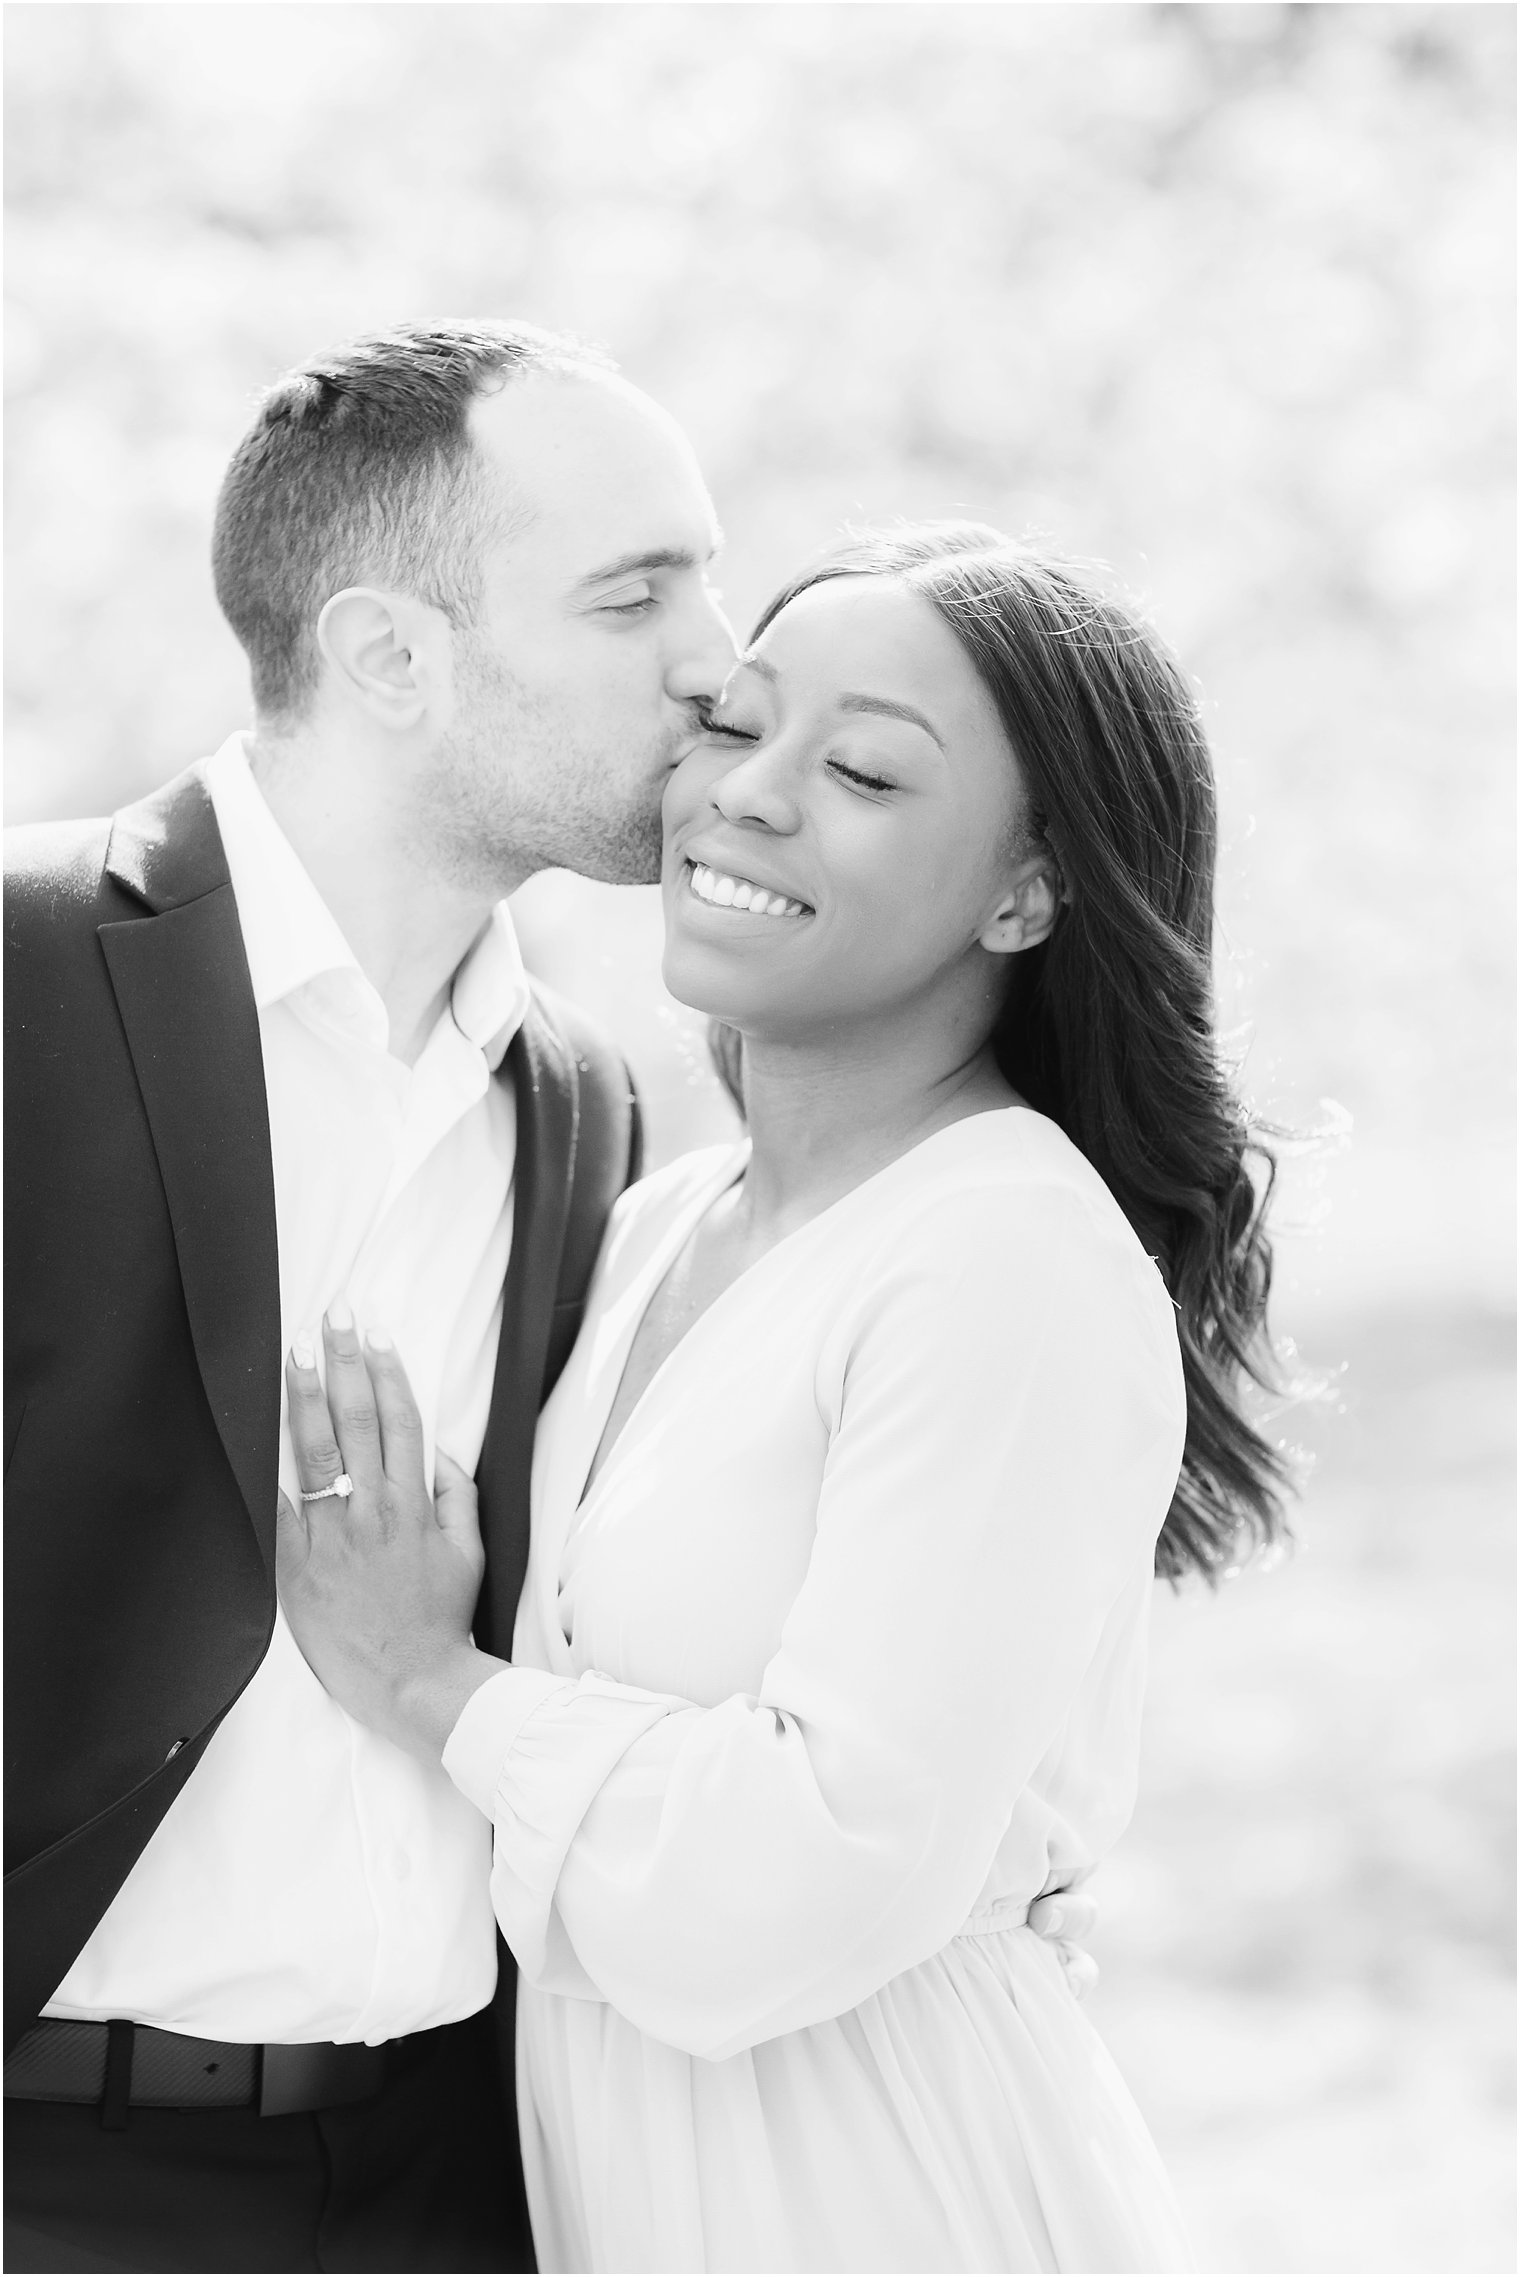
point(1109, 1024)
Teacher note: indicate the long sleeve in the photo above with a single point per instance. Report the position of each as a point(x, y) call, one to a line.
point(1004, 1406)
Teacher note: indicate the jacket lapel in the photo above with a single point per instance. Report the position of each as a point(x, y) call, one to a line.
point(181, 981)
point(542, 1071)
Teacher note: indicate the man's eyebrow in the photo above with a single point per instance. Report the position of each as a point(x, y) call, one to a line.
point(657, 557)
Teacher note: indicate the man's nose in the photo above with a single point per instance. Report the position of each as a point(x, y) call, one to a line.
point(705, 657)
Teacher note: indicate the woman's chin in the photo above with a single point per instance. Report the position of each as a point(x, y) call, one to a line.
point(739, 978)
point(691, 979)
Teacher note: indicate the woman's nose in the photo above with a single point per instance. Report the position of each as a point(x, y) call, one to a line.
point(756, 789)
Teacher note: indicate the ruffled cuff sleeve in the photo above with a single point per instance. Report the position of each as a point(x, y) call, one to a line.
point(494, 1714)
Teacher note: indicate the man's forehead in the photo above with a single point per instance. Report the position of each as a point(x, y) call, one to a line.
point(597, 469)
point(572, 428)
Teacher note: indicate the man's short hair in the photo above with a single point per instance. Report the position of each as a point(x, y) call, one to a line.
point(360, 470)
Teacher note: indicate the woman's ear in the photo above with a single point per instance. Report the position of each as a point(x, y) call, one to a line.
point(383, 649)
point(1027, 910)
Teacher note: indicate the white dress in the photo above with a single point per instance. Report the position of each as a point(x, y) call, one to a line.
point(839, 1662)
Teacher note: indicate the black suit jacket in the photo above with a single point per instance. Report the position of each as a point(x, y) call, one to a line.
point(143, 1362)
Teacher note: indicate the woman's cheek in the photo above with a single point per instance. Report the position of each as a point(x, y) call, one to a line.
point(686, 792)
point(905, 910)
point(884, 870)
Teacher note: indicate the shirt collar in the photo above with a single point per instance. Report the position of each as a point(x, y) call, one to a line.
point(291, 937)
point(491, 992)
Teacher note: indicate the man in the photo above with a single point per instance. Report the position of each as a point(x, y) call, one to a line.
point(273, 1055)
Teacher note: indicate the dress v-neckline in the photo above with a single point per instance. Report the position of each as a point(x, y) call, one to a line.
point(642, 1291)
point(647, 1282)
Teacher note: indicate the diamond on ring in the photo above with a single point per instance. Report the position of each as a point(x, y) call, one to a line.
point(342, 1484)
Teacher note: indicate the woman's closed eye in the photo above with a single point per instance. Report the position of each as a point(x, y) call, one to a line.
point(729, 728)
point(855, 775)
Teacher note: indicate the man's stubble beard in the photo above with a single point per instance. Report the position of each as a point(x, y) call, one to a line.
point(510, 793)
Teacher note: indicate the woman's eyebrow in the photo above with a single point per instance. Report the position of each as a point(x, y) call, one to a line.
point(852, 703)
point(889, 710)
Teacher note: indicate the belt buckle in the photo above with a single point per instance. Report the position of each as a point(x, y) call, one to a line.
point(313, 2075)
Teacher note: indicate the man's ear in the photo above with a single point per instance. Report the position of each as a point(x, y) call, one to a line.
point(1027, 909)
point(388, 651)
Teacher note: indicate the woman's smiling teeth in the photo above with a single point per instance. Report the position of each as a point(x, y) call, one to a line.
point(724, 892)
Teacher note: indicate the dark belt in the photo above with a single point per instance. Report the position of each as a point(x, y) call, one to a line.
point(119, 2065)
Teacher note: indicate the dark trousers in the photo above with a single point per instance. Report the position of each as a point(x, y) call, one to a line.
point(425, 2176)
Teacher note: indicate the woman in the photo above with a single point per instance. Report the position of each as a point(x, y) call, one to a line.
point(847, 1506)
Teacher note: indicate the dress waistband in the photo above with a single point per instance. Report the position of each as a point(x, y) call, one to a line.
point(991, 1920)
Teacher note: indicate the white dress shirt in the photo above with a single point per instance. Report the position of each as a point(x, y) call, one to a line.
point(312, 1881)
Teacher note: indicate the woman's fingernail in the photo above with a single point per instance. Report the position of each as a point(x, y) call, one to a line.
point(1053, 1921)
point(380, 1340)
point(302, 1350)
point(340, 1314)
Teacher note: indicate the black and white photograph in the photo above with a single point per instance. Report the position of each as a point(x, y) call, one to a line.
point(759, 1135)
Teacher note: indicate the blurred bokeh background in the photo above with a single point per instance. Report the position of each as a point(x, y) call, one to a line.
point(1220, 294)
